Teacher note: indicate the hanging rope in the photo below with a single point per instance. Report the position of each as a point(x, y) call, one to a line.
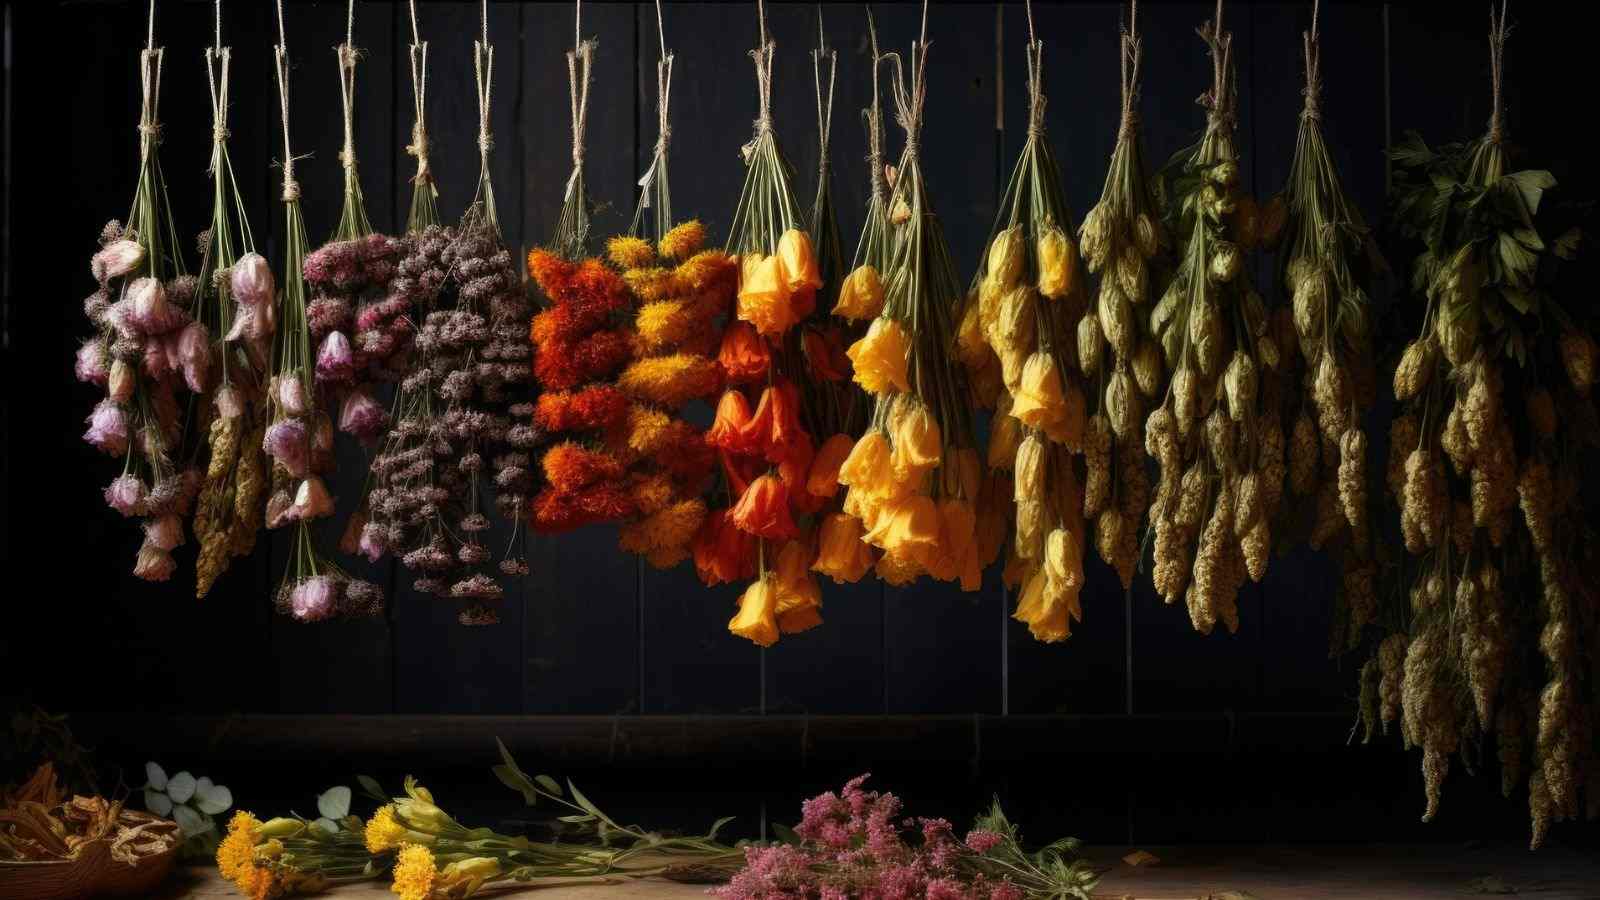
point(1219, 100)
point(874, 117)
point(291, 188)
point(1035, 59)
point(824, 104)
point(1497, 70)
point(909, 103)
point(1132, 51)
point(150, 59)
point(347, 56)
point(218, 58)
point(1313, 49)
point(580, 60)
point(658, 160)
point(483, 72)
point(762, 56)
point(419, 97)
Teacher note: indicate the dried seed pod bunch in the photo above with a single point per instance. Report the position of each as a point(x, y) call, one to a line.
point(768, 454)
point(1476, 440)
point(147, 346)
point(1326, 263)
point(236, 306)
point(299, 435)
point(1124, 243)
point(914, 476)
point(1024, 307)
point(1217, 435)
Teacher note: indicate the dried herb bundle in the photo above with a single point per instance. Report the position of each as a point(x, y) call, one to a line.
point(571, 239)
point(1500, 628)
point(236, 303)
point(1217, 435)
point(1124, 242)
point(147, 346)
point(914, 477)
point(1326, 262)
point(1021, 320)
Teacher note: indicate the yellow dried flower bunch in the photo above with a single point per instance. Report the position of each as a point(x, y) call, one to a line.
point(1217, 436)
point(1486, 475)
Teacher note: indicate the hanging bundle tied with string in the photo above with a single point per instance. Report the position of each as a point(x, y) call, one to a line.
point(236, 306)
point(1489, 632)
point(424, 189)
point(1018, 333)
point(571, 238)
point(1326, 266)
point(148, 346)
point(914, 477)
point(1122, 242)
point(299, 434)
point(1218, 434)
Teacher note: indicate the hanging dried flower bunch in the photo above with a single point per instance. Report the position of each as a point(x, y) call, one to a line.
point(361, 330)
point(1326, 262)
point(768, 455)
point(236, 304)
point(914, 476)
point(572, 229)
point(1124, 242)
point(299, 436)
point(1217, 435)
point(1499, 630)
point(147, 346)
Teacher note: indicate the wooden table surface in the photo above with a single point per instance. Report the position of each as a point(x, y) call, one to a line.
point(1198, 872)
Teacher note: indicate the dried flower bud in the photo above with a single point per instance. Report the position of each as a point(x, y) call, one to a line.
point(1132, 274)
point(1207, 336)
point(1310, 302)
point(250, 281)
point(121, 382)
point(1006, 256)
point(1058, 263)
point(116, 259)
point(1116, 317)
point(291, 393)
point(1353, 478)
point(1226, 261)
point(1147, 369)
point(1122, 403)
point(1095, 238)
point(1239, 385)
point(1185, 398)
point(1089, 344)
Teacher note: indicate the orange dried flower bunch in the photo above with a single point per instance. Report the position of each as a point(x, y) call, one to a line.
point(580, 340)
point(682, 295)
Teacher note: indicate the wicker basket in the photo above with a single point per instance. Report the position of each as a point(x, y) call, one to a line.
point(118, 879)
point(67, 879)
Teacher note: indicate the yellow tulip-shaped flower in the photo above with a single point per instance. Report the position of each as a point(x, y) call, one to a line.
point(972, 345)
point(465, 877)
point(1067, 428)
point(1058, 263)
point(1005, 436)
point(799, 261)
point(1033, 523)
point(1016, 327)
point(823, 479)
point(868, 468)
point(880, 357)
point(1039, 400)
point(764, 295)
point(861, 295)
point(841, 554)
point(907, 525)
point(1004, 264)
point(1030, 468)
point(1063, 557)
point(918, 441)
point(757, 619)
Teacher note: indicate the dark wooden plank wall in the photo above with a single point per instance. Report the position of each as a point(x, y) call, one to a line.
point(591, 631)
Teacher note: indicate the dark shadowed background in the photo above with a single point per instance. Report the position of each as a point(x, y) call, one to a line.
point(1135, 730)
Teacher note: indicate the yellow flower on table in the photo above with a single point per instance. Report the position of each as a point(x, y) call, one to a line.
point(414, 873)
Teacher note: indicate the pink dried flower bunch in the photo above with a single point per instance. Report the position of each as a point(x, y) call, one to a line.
point(147, 348)
point(856, 844)
point(360, 320)
point(318, 598)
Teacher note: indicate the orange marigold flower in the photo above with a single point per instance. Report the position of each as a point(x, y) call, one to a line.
point(562, 365)
point(765, 299)
point(685, 454)
point(823, 479)
point(774, 428)
point(841, 554)
point(629, 252)
point(709, 270)
point(595, 407)
point(666, 322)
point(651, 493)
point(570, 467)
point(757, 619)
point(799, 261)
point(647, 429)
point(596, 283)
point(722, 553)
point(550, 272)
point(651, 283)
point(763, 509)
point(881, 357)
point(683, 240)
point(671, 380)
point(674, 525)
point(733, 415)
point(744, 355)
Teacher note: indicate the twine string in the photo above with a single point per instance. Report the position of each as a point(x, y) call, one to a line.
point(291, 187)
point(483, 74)
point(150, 60)
point(874, 117)
point(1313, 51)
point(1132, 56)
point(824, 101)
point(1497, 70)
point(909, 103)
point(1219, 100)
point(218, 58)
point(580, 61)
point(762, 56)
point(347, 57)
point(663, 102)
point(1035, 59)
point(419, 96)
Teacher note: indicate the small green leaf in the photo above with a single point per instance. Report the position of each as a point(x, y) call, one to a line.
point(1411, 151)
point(1520, 263)
point(372, 788)
point(1532, 183)
point(549, 784)
point(334, 803)
point(515, 780)
point(1567, 245)
point(717, 826)
point(575, 819)
point(1522, 301)
point(580, 799)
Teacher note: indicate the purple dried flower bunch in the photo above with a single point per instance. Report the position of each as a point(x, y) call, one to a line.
point(361, 322)
point(857, 845)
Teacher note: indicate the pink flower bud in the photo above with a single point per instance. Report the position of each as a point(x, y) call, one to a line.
point(361, 416)
point(374, 541)
point(154, 563)
point(229, 404)
point(312, 500)
point(285, 441)
point(251, 281)
point(115, 260)
point(126, 494)
point(157, 362)
point(165, 532)
point(121, 382)
point(149, 311)
point(108, 428)
point(194, 355)
point(313, 599)
point(336, 361)
point(90, 365)
point(292, 395)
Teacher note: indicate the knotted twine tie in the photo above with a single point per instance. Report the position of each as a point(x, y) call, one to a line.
point(762, 57)
point(291, 187)
point(348, 55)
point(150, 59)
point(909, 103)
point(1497, 69)
point(1219, 100)
point(1132, 53)
point(580, 61)
point(218, 58)
point(419, 97)
point(483, 74)
point(1035, 58)
point(658, 160)
point(824, 103)
point(874, 118)
point(1313, 50)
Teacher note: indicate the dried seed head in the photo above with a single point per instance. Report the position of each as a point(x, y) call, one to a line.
point(1108, 533)
point(1239, 385)
point(1147, 369)
point(1353, 479)
point(1482, 411)
point(1192, 497)
point(1303, 450)
point(1256, 545)
point(1453, 439)
point(1185, 398)
point(1122, 403)
point(1094, 237)
point(1424, 501)
point(1089, 344)
point(1457, 335)
point(1330, 391)
point(1147, 235)
point(1310, 304)
point(1226, 261)
point(1206, 334)
point(1221, 438)
point(1133, 274)
point(1416, 365)
point(1535, 493)
point(1116, 317)
point(1097, 466)
point(1329, 522)
point(1247, 507)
